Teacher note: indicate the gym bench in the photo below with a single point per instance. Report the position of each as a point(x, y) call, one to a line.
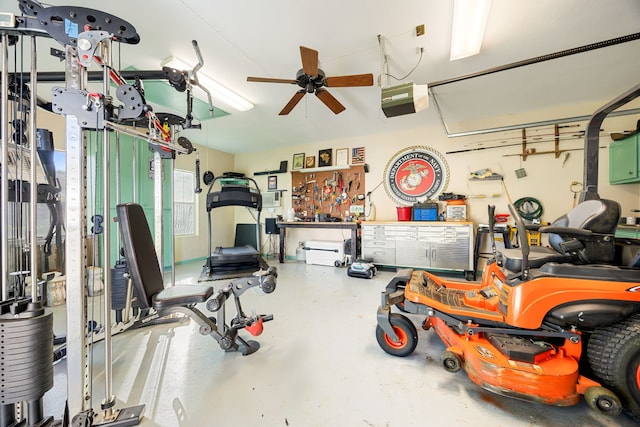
point(149, 289)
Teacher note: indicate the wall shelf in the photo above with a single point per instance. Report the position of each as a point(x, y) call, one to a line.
point(322, 169)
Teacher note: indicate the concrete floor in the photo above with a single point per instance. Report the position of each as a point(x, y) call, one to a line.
point(319, 365)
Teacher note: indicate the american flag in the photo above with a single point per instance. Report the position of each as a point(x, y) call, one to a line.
point(357, 156)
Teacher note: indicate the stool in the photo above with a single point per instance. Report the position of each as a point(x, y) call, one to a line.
point(483, 230)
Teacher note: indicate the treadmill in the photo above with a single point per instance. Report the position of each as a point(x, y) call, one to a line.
point(235, 189)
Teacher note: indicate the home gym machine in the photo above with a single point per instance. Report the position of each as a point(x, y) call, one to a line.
point(26, 330)
point(87, 36)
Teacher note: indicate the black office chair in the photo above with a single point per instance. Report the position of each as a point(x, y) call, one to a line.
point(149, 287)
point(585, 235)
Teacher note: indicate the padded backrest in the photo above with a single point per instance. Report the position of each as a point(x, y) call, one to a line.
point(599, 216)
point(140, 252)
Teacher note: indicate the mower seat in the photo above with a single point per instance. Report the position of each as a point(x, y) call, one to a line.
point(585, 235)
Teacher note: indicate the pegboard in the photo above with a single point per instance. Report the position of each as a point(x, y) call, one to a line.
point(331, 193)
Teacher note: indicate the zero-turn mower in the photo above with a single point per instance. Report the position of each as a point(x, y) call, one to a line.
point(545, 324)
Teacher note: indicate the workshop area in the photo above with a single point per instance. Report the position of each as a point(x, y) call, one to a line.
point(353, 214)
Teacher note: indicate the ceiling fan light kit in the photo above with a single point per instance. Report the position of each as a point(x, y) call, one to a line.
point(313, 80)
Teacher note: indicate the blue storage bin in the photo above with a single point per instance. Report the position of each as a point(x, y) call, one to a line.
point(425, 212)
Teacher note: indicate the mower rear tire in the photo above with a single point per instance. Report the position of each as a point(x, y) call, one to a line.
point(613, 353)
point(603, 400)
point(406, 332)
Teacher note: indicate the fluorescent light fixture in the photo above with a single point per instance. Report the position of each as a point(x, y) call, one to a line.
point(469, 23)
point(218, 91)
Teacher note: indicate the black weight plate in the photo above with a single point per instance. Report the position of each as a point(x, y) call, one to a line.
point(25, 321)
point(14, 353)
point(17, 339)
point(41, 368)
point(26, 363)
point(33, 377)
point(21, 383)
point(25, 327)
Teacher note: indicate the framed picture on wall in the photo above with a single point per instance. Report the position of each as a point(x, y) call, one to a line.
point(298, 161)
point(310, 162)
point(272, 182)
point(325, 157)
point(342, 157)
point(357, 156)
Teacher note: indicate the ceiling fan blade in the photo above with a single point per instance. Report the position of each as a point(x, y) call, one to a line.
point(309, 61)
point(292, 103)
point(328, 100)
point(269, 80)
point(347, 81)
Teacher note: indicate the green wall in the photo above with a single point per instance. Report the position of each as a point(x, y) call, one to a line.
point(144, 187)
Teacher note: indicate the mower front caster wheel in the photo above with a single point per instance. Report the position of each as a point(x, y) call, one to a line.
point(406, 332)
point(451, 361)
point(603, 400)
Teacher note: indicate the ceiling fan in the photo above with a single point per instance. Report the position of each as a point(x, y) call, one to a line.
point(313, 80)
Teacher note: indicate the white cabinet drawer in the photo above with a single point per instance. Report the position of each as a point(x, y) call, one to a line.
point(380, 255)
point(377, 243)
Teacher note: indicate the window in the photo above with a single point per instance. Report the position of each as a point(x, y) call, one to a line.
point(184, 203)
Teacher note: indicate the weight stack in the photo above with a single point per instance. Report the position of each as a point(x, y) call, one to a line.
point(119, 284)
point(26, 362)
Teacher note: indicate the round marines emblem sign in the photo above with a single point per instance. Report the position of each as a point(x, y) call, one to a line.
point(416, 174)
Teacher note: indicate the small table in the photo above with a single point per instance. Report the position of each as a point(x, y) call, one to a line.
point(353, 226)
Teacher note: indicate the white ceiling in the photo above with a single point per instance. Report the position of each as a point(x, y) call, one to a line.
point(261, 38)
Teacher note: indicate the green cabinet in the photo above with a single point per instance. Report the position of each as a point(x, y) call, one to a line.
point(624, 161)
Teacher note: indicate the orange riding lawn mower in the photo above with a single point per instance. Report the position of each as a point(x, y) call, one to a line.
point(544, 324)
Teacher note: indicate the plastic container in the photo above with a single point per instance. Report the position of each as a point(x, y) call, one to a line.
point(94, 281)
point(300, 254)
point(456, 210)
point(404, 213)
point(56, 293)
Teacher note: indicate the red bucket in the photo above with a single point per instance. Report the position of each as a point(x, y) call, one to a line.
point(404, 213)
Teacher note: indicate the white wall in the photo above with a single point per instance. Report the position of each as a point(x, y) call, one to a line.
point(548, 179)
point(222, 222)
